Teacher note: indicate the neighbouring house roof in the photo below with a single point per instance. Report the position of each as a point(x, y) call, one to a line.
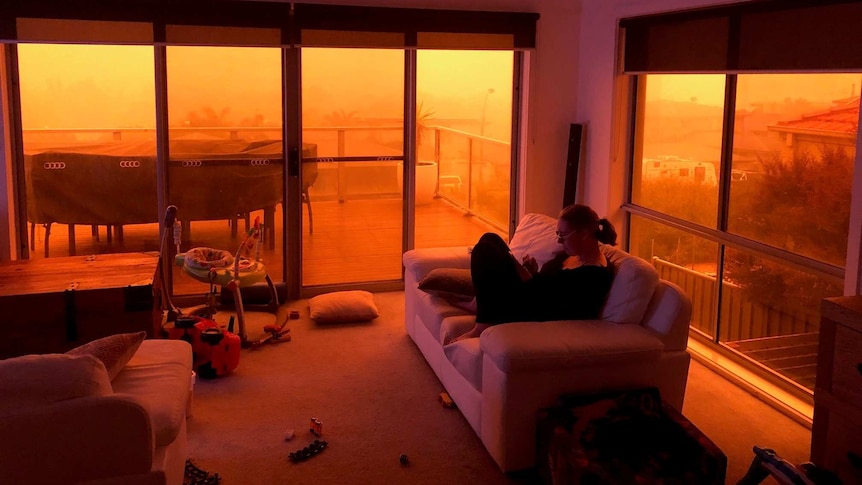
point(842, 119)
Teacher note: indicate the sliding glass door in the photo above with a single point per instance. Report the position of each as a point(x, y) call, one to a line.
point(88, 132)
point(353, 145)
point(464, 139)
point(353, 148)
point(226, 163)
point(347, 143)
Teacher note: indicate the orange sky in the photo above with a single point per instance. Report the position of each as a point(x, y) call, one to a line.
point(708, 89)
point(95, 86)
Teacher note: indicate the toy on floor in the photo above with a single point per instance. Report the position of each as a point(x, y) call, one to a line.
point(273, 334)
point(767, 463)
point(219, 267)
point(316, 427)
point(194, 475)
point(446, 400)
point(215, 351)
point(305, 453)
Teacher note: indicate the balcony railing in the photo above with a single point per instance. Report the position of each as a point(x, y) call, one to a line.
point(748, 319)
point(784, 341)
point(473, 171)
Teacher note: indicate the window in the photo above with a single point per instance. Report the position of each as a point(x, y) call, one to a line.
point(89, 141)
point(777, 238)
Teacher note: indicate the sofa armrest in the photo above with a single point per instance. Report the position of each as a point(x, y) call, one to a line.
point(419, 262)
point(75, 440)
point(536, 346)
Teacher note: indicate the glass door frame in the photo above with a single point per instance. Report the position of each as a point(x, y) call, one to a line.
point(292, 141)
point(293, 209)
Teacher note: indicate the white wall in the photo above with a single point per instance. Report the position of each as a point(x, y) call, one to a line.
point(604, 180)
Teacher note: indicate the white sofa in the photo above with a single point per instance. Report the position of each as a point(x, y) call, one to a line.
point(76, 426)
point(501, 380)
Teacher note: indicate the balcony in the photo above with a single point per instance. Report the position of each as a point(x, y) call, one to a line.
point(347, 197)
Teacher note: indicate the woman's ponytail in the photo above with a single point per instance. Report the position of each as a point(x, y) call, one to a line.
point(606, 233)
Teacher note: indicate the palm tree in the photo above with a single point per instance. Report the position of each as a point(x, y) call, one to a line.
point(423, 117)
point(342, 118)
point(209, 117)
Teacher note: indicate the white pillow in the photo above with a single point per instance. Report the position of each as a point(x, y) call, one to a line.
point(37, 380)
point(536, 235)
point(343, 306)
point(634, 283)
point(114, 351)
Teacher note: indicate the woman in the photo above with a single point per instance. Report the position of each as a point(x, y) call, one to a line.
point(571, 286)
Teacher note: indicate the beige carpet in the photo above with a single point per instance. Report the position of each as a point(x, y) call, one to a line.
point(377, 399)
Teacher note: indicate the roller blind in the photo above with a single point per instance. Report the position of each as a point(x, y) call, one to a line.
point(227, 22)
point(760, 36)
point(83, 31)
point(235, 22)
point(350, 26)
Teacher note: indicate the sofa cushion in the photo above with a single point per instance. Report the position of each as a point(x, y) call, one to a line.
point(419, 262)
point(466, 356)
point(114, 350)
point(36, 380)
point(632, 288)
point(568, 344)
point(455, 326)
point(536, 236)
point(452, 284)
point(158, 377)
point(432, 310)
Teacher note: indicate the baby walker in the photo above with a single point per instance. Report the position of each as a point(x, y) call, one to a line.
point(232, 272)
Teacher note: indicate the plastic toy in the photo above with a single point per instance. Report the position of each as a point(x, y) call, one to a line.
point(196, 476)
point(215, 351)
point(230, 271)
point(218, 353)
point(305, 453)
point(274, 334)
point(316, 427)
point(767, 463)
point(446, 399)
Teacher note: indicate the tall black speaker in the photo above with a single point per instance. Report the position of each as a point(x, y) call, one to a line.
point(573, 163)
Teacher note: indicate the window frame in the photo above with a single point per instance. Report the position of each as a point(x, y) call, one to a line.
point(719, 234)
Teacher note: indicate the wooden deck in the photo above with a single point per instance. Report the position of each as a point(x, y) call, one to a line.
point(353, 241)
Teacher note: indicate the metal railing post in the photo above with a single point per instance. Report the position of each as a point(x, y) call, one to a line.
point(470, 175)
point(340, 167)
point(437, 159)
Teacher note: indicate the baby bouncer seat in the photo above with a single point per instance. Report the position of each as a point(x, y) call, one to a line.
point(231, 271)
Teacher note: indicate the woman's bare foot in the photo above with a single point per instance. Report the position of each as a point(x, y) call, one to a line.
point(474, 332)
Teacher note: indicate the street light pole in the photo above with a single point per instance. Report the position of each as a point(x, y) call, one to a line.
point(482, 126)
point(484, 107)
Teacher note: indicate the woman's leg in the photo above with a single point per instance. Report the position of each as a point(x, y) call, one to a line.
point(496, 280)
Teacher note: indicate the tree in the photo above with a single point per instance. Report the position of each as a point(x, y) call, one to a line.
point(692, 201)
point(208, 117)
point(342, 118)
point(802, 204)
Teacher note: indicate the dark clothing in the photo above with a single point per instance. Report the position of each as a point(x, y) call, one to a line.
point(552, 294)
